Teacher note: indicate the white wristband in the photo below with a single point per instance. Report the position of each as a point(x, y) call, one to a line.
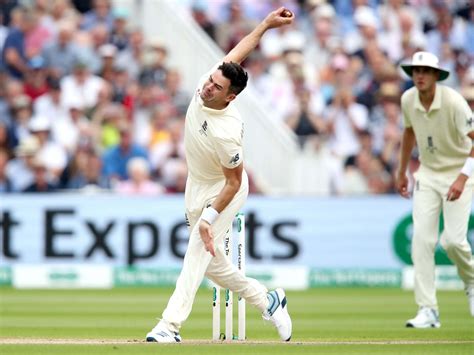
point(209, 215)
point(468, 167)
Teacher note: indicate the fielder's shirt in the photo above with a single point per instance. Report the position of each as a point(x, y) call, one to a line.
point(213, 138)
point(441, 132)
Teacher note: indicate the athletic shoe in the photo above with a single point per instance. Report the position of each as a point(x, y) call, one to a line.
point(470, 298)
point(161, 334)
point(426, 318)
point(277, 313)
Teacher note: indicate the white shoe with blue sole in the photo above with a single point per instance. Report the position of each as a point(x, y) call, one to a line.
point(161, 334)
point(277, 313)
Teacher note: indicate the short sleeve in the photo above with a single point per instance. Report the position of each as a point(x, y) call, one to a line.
point(463, 117)
point(230, 152)
point(405, 115)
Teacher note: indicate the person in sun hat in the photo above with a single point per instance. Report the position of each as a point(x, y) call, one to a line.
point(439, 121)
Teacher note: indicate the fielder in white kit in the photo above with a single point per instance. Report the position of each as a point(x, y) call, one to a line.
point(216, 189)
point(440, 122)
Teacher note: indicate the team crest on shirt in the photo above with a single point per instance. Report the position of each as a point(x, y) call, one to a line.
point(203, 129)
point(431, 147)
point(234, 160)
point(469, 122)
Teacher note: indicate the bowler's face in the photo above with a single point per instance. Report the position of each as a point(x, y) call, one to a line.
point(215, 91)
point(424, 78)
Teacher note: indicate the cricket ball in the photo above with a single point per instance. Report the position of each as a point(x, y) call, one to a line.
point(286, 13)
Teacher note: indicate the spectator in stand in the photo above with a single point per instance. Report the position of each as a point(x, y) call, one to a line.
point(6, 142)
point(448, 30)
point(386, 125)
point(104, 99)
point(85, 171)
point(172, 148)
point(62, 11)
point(14, 54)
point(121, 84)
point(131, 57)
point(149, 96)
point(82, 85)
point(6, 184)
point(338, 73)
point(155, 68)
point(41, 181)
point(11, 89)
point(37, 36)
point(20, 169)
point(52, 155)
point(178, 97)
point(199, 13)
point(139, 182)
point(260, 79)
point(230, 32)
point(323, 36)
point(100, 14)
point(21, 113)
point(304, 120)
point(49, 104)
point(119, 35)
point(174, 175)
point(61, 54)
point(345, 119)
point(71, 129)
point(108, 54)
point(106, 122)
point(89, 44)
point(35, 83)
point(115, 159)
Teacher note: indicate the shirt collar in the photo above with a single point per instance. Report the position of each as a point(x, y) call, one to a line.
point(211, 110)
point(435, 105)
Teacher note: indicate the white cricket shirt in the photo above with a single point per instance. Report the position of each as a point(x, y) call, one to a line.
point(441, 132)
point(212, 138)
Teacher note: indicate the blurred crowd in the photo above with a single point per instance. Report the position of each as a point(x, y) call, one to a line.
point(86, 102)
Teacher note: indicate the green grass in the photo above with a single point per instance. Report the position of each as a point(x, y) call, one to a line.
point(319, 315)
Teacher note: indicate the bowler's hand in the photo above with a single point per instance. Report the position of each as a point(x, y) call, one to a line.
point(456, 188)
point(274, 19)
point(207, 237)
point(402, 185)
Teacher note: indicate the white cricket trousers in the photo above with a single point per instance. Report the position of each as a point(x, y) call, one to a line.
point(429, 199)
point(198, 262)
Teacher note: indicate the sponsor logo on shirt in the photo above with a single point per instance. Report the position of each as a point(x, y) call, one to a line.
point(203, 129)
point(235, 159)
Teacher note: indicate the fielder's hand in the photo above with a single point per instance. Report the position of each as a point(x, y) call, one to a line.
point(402, 185)
point(207, 237)
point(456, 188)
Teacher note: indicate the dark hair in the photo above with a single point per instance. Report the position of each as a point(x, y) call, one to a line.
point(236, 74)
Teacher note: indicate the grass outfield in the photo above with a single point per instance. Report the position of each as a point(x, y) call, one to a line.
point(325, 321)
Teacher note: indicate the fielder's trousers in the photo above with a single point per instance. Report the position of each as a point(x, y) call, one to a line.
point(429, 199)
point(199, 263)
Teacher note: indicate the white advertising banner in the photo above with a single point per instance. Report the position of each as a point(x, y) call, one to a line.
point(319, 233)
point(62, 276)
